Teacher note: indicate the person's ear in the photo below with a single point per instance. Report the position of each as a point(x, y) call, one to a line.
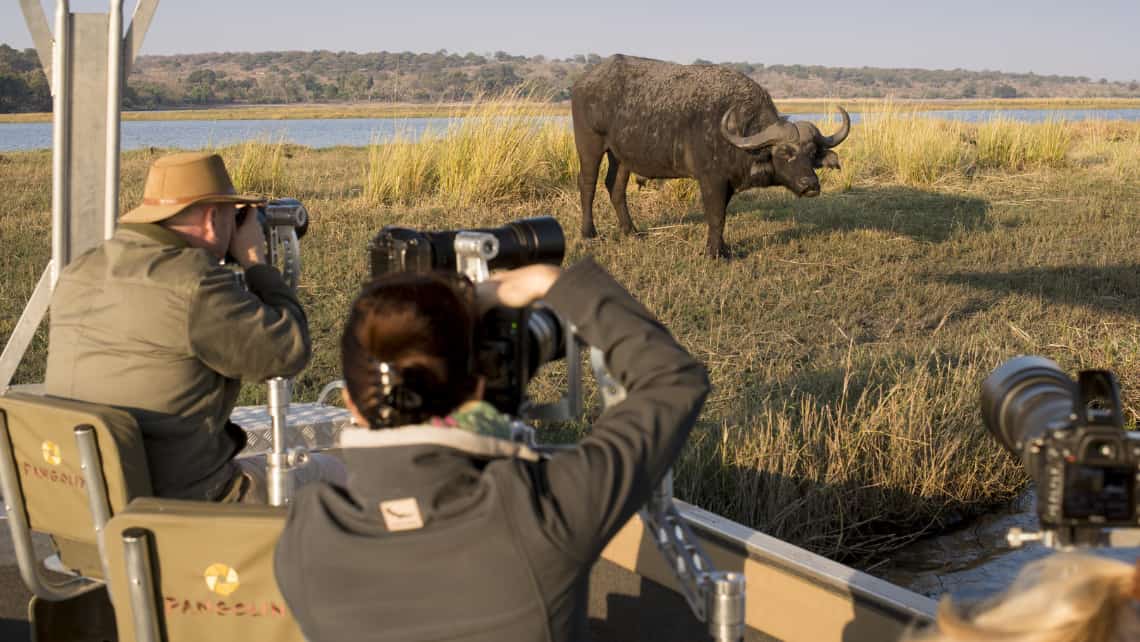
point(209, 220)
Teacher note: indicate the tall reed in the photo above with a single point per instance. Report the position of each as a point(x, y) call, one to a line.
point(1113, 146)
point(499, 151)
point(257, 166)
point(904, 146)
point(1003, 143)
point(401, 170)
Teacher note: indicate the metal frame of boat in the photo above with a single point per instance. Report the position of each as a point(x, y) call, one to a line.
point(792, 594)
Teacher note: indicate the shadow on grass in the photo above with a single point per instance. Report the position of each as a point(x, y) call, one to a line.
point(1114, 288)
point(928, 216)
point(851, 522)
point(932, 217)
point(862, 507)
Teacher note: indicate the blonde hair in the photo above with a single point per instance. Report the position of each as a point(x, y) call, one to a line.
point(1066, 597)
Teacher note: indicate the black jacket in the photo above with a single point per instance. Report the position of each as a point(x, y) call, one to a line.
point(506, 545)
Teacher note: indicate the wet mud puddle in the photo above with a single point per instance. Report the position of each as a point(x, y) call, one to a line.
point(975, 561)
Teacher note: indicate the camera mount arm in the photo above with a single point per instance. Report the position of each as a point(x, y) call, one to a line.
point(283, 218)
point(715, 597)
point(1069, 538)
point(281, 463)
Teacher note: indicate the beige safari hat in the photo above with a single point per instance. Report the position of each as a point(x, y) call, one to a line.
point(178, 181)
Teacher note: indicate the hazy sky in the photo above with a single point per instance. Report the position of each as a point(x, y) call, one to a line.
point(1095, 38)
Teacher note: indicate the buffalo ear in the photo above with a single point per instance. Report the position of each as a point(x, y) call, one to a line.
point(828, 159)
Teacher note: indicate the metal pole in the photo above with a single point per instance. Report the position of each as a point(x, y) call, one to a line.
point(114, 101)
point(25, 329)
point(61, 148)
point(279, 467)
point(140, 578)
point(725, 607)
point(92, 466)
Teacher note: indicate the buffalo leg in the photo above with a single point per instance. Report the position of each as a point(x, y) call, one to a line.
point(715, 196)
point(617, 179)
point(589, 158)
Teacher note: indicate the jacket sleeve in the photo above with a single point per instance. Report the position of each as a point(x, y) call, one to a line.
point(249, 334)
point(587, 494)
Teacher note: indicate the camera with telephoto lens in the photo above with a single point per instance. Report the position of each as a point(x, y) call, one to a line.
point(285, 212)
point(283, 222)
point(275, 213)
point(1070, 437)
point(512, 343)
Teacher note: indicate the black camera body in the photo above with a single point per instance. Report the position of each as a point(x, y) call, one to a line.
point(1088, 476)
point(510, 343)
point(282, 212)
point(284, 221)
point(1071, 439)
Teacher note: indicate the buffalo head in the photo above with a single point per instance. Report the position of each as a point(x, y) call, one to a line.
point(795, 150)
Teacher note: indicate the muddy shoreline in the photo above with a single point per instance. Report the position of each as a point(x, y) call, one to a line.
point(974, 561)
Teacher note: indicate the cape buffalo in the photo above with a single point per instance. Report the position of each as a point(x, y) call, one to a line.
point(664, 120)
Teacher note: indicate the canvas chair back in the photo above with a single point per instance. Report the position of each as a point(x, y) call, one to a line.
point(52, 487)
point(211, 567)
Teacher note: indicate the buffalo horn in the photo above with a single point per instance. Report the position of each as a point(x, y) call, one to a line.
point(827, 142)
point(781, 130)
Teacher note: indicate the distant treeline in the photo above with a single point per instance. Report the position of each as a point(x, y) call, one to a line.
point(278, 77)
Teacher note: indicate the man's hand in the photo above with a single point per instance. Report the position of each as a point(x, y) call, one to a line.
point(516, 288)
point(248, 242)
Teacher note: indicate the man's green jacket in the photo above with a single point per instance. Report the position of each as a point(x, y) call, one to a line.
point(150, 324)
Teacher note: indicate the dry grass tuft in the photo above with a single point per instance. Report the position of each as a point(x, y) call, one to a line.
point(257, 166)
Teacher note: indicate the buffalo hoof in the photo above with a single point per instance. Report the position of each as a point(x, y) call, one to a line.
point(589, 232)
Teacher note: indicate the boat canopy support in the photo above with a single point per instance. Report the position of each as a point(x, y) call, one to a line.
point(85, 59)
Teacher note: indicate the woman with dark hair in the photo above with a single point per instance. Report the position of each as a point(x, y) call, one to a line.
point(447, 529)
point(423, 326)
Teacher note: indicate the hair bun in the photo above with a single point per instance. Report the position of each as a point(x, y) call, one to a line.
point(395, 400)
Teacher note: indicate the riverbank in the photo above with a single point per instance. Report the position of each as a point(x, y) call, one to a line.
point(846, 341)
point(445, 110)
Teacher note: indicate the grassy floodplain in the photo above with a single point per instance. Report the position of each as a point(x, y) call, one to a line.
point(420, 110)
point(847, 340)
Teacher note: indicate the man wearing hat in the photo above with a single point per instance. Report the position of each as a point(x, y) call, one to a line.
point(151, 322)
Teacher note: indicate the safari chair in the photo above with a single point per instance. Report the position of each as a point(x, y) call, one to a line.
point(52, 452)
point(65, 468)
point(182, 570)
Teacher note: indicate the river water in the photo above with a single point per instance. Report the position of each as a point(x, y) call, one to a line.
point(333, 132)
point(974, 561)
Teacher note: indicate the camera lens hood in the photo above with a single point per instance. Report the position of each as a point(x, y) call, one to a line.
point(1023, 397)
